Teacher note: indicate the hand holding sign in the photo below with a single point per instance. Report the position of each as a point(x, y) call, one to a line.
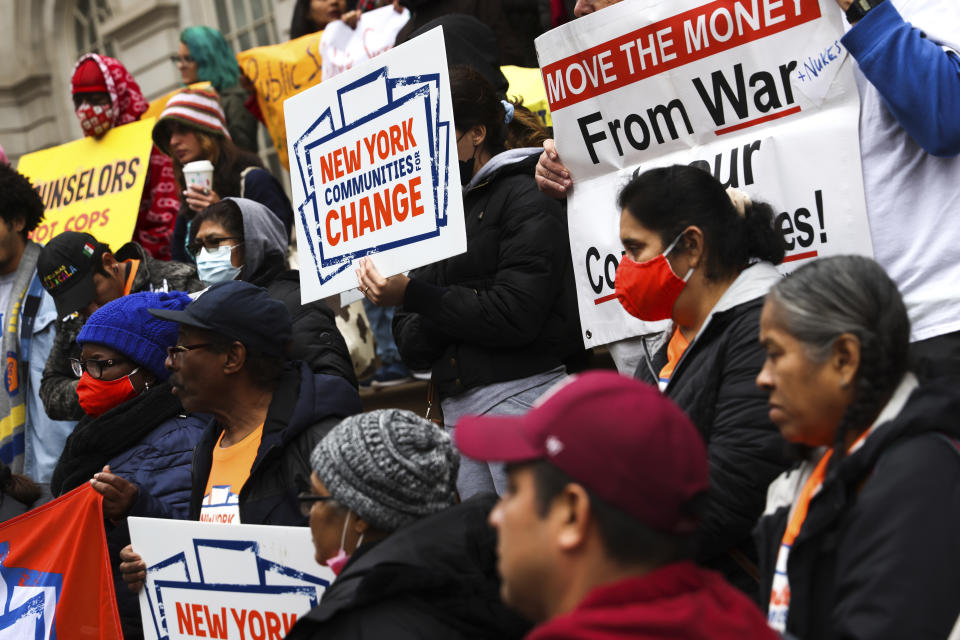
point(383, 292)
point(132, 568)
point(552, 176)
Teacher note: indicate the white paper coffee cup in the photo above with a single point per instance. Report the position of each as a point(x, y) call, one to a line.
point(198, 173)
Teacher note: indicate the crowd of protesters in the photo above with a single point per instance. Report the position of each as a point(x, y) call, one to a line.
point(783, 460)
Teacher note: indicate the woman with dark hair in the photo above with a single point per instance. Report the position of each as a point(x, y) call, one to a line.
point(310, 16)
point(704, 258)
point(205, 55)
point(239, 239)
point(861, 540)
point(496, 323)
point(192, 127)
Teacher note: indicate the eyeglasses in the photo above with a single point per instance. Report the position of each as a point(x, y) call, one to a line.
point(307, 500)
point(175, 351)
point(210, 243)
point(93, 367)
point(175, 59)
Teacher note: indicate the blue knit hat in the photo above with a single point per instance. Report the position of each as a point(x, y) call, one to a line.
point(125, 324)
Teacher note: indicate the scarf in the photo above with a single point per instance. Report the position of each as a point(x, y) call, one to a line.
point(96, 441)
point(13, 409)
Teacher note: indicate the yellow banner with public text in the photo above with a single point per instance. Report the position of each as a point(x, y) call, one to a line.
point(278, 72)
point(91, 185)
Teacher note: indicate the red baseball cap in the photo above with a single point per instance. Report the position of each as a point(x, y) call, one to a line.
point(618, 437)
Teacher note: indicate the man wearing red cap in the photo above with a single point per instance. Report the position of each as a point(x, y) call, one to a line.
point(596, 529)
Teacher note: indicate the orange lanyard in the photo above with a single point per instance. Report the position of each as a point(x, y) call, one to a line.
point(806, 494)
point(134, 265)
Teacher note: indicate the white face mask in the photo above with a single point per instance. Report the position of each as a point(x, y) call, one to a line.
point(216, 266)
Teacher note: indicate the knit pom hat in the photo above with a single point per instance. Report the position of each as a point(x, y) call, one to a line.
point(197, 109)
point(125, 324)
point(390, 467)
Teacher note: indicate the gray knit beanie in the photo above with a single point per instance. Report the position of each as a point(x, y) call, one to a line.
point(390, 467)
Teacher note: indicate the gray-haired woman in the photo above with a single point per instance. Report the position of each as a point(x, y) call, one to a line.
point(862, 540)
point(409, 563)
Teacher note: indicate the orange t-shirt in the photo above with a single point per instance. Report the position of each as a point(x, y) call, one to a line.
point(230, 470)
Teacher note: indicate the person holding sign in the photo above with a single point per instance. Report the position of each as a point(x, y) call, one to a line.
point(859, 541)
point(410, 562)
point(192, 127)
point(495, 324)
point(241, 239)
point(135, 444)
point(704, 259)
point(105, 96)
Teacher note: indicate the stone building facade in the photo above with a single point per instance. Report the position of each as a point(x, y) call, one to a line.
point(40, 40)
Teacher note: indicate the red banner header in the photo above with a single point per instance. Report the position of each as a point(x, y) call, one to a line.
point(678, 40)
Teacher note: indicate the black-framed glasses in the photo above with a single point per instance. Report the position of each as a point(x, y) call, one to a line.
point(177, 59)
point(210, 243)
point(307, 500)
point(175, 351)
point(93, 367)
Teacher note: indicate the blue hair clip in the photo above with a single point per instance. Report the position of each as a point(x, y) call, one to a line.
point(508, 107)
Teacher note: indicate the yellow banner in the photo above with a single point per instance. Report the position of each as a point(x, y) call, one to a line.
point(527, 84)
point(92, 185)
point(157, 106)
point(278, 72)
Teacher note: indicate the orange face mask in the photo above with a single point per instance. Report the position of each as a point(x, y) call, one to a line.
point(99, 396)
point(648, 290)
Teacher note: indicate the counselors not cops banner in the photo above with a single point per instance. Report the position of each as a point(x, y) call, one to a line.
point(233, 582)
point(759, 92)
point(91, 185)
point(370, 168)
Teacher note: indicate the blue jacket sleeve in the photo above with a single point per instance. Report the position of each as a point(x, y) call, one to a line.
point(918, 79)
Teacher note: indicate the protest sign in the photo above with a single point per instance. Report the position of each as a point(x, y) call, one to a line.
point(92, 185)
point(55, 577)
point(278, 72)
point(156, 106)
point(527, 85)
point(232, 582)
point(758, 92)
point(343, 48)
point(371, 169)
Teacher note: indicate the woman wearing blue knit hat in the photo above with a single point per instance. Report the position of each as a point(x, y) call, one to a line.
point(135, 441)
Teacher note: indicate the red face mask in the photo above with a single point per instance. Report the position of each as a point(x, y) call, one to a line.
point(99, 396)
point(648, 290)
point(95, 120)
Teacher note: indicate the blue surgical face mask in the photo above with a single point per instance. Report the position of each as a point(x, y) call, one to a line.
point(216, 266)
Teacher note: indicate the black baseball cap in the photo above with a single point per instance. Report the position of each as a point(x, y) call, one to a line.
point(65, 266)
point(241, 311)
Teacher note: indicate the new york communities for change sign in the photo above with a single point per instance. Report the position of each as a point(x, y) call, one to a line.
point(370, 168)
point(759, 92)
point(233, 582)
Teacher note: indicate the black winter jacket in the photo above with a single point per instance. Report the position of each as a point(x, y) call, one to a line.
point(505, 309)
point(433, 579)
point(304, 408)
point(715, 384)
point(877, 555)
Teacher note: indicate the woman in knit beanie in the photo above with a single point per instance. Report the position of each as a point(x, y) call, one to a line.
point(135, 443)
point(193, 127)
point(410, 562)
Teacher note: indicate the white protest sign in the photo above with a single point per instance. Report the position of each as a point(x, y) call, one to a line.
point(232, 582)
point(758, 92)
point(370, 168)
point(342, 48)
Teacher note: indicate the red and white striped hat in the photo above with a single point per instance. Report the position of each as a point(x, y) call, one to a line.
point(196, 108)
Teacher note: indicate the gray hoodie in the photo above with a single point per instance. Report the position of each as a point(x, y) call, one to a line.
point(263, 238)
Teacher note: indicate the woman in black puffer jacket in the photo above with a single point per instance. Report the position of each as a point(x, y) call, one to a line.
point(495, 324)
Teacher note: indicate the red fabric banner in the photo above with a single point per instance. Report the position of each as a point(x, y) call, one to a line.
point(55, 579)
